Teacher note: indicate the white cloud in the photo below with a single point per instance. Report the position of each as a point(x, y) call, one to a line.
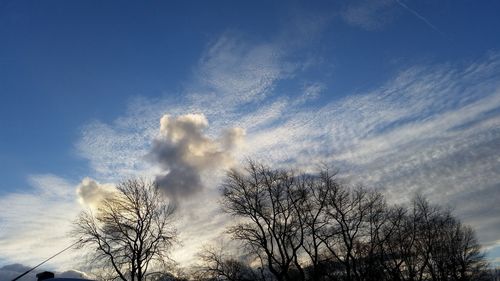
point(313, 90)
point(115, 150)
point(184, 152)
point(35, 224)
point(233, 71)
point(430, 128)
point(90, 192)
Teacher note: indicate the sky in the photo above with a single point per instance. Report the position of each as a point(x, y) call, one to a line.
point(401, 96)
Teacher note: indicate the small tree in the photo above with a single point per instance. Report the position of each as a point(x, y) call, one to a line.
point(130, 231)
point(217, 265)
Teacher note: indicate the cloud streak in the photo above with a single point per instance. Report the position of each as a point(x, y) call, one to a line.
point(419, 16)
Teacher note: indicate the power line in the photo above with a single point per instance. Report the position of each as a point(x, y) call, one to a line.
point(58, 253)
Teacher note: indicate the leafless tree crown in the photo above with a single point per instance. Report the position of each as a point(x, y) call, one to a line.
point(312, 227)
point(131, 231)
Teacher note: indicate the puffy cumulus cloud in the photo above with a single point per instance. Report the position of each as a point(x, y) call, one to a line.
point(184, 152)
point(91, 192)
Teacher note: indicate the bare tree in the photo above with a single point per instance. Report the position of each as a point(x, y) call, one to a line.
point(397, 245)
point(317, 191)
point(267, 203)
point(131, 230)
point(427, 243)
point(468, 260)
point(451, 249)
point(313, 227)
point(355, 217)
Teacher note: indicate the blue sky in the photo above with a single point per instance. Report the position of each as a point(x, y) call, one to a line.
point(67, 63)
point(409, 84)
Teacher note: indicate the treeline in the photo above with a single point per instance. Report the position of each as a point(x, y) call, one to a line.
point(313, 227)
point(291, 226)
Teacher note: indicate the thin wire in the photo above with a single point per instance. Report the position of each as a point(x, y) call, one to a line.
point(58, 253)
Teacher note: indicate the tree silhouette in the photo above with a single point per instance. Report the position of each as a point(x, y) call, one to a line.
point(131, 230)
point(314, 227)
point(268, 202)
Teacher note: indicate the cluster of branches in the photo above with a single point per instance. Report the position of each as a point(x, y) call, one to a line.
point(313, 227)
point(131, 231)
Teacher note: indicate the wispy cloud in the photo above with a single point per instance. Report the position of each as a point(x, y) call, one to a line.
point(431, 128)
point(369, 15)
point(34, 224)
point(234, 72)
